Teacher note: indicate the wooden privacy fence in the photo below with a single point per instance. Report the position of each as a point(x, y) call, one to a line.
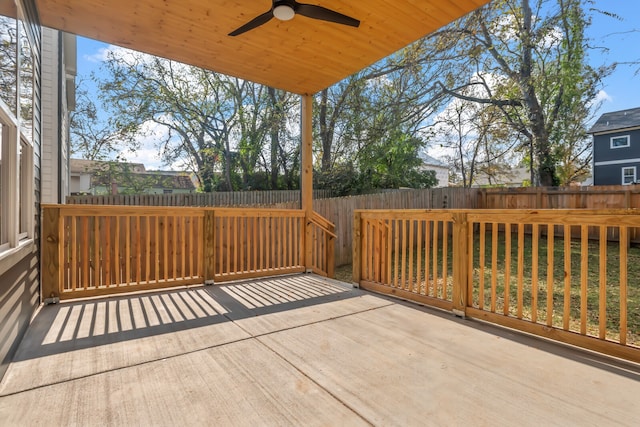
point(537, 271)
point(591, 197)
point(230, 198)
point(100, 250)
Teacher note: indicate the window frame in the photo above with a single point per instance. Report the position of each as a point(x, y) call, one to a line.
point(635, 174)
point(626, 137)
point(17, 175)
point(26, 187)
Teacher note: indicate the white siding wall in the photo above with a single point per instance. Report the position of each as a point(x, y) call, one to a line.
point(442, 175)
point(49, 171)
point(51, 131)
point(80, 183)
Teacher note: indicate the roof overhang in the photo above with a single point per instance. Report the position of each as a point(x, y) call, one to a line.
point(302, 55)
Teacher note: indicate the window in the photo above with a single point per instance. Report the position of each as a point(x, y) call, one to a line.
point(628, 175)
point(620, 141)
point(3, 233)
point(16, 135)
point(25, 193)
point(8, 63)
point(25, 81)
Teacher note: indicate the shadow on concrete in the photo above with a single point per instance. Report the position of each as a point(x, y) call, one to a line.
point(80, 325)
point(91, 323)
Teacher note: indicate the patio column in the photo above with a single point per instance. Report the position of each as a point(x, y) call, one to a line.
point(306, 184)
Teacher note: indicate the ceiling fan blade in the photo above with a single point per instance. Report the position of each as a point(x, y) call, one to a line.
point(324, 14)
point(255, 22)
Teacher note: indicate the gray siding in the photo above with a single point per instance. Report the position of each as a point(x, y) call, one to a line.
point(19, 296)
point(611, 174)
point(20, 284)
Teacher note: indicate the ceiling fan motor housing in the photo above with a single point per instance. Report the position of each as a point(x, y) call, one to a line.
point(284, 10)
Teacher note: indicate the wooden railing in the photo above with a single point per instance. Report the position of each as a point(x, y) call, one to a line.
point(322, 234)
point(405, 254)
point(255, 242)
point(511, 267)
point(98, 250)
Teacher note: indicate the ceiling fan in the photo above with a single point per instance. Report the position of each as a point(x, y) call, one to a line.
point(285, 10)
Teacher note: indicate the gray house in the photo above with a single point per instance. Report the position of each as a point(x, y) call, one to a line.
point(616, 148)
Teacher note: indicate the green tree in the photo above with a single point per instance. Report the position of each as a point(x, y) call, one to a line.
point(537, 53)
point(473, 138)
point(214, 124)
point(371, 117)
point(95, 134)
point(394, 163)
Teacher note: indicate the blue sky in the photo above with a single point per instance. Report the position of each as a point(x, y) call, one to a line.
point(620, 37)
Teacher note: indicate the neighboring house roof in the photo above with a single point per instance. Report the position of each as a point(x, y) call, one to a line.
point(150, 179)
point(616, 120)
point(160, 179)
point(88, 166)
point(513, 177)
point(432, 161)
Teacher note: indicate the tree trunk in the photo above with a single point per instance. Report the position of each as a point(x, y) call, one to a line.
point(540, 137)
point(326, 135)
point(276, 114)
point(207, 178)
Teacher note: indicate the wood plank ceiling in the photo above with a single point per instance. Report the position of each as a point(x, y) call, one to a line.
point(302, 55)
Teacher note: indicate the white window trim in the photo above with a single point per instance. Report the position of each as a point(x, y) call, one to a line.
point(11, 210)
point(18, 242)
point(635, 176)
point(27, 183)
point(618, 162)
point(627, 145)
point(9, 172)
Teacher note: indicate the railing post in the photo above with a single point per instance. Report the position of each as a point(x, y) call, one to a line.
point(331, 262)
point(306, 171)
point(357, 248)
point(460, 263)
point(50, 246)
point(385, 254)
point(331, 253)
point(209, 240)
point(308, 244)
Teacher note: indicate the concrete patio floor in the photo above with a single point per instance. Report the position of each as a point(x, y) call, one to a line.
point(299, 350)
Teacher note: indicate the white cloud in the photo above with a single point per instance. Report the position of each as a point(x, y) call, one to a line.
point(102, 53)
point(122, 54)
point(551, 39)
point(464, 112)
point(602, 96)
point(148, 153)
point(440, 152)
point(95, 57)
